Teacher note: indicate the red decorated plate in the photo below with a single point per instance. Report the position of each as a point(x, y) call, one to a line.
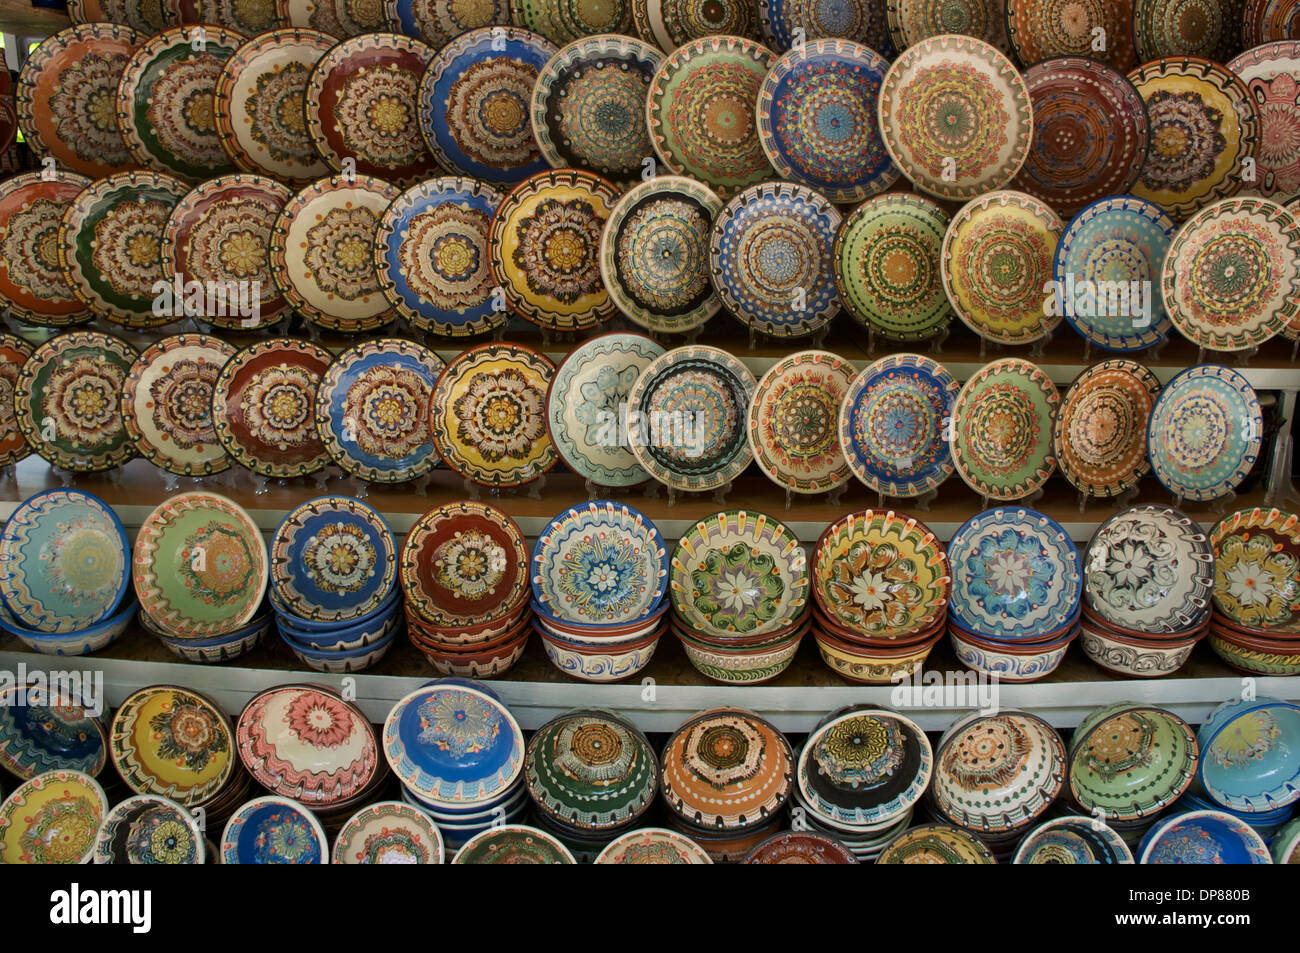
point(14, 352)
point(32, 283)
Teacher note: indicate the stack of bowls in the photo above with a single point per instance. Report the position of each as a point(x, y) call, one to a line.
point(148, 829)
point(1265, 823)
point(738, 583)
point(388, 832)
point(1015, 594)
point(464, 571)
point(801, 847)
point(653, 845)
point(49, 731)
point(1073, 840)
point(881, 583)
point(1202, 837)
point(1250, 758)
point(936, 844)
point(599, 578)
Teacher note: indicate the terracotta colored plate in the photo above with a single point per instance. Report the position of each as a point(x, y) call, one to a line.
point(564, 21)
point(861, 21)
point(322, 253)
point(259, 105)
point(14, 352)
point(1206, 28)
point(32, 285)
point(793, 421)
point(438, 22)
point(488, 415)
point(1101, 427)
point(1003, 422)
point(247, 19)
point(1040, 31)
point(671, 24)
point(338, 18)
point(800, 848)
point(911, 21)
point(1257, 569)
point(333, 559)
point(1272, 75)
point(148, 17)
point(1269, 21)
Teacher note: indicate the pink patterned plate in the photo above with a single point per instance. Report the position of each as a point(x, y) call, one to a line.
point(1271, 73)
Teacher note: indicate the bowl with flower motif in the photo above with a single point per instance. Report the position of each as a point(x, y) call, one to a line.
point(1012, 662)
point(274, 830)
point(1250, 755)
point(52, 818)
point(148, 829)
point(344, 662)
point(742, 665)
point(1072, 840)
point(853, 637)
point(653, 845)
point(875, 664)
point(43, 730)
point(596, 633)
point(1203, 837)
point(1257, 571)
point(612, 661)
point(388, 832)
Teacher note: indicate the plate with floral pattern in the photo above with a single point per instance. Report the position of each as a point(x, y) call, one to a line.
point(691, 406)
point(67, 92)
point(859, 20)
point(68, 401)
point(148, 829)
point(488, 415)
point(109, 244)
point(322, 253)
point(513, 844)
point(670, 24)
point(1205, 432)
point(1271, 73)
point(55, 734)
point(146, 17)
point(475, 104)
point(52, 819)
point(438, 22)
point(700, 112)
point(1015, 575)
point(1101, 427)
point(770, 255)
point(14, 352)
point(546, 249)
point(588, 107)
point(563, 21)
point(174, 743)
point(254, 110)
point(793, 421)
point(264, 407)
point(1002, 429)
point(1183, 28)
point(654, 254)
point(372, 410)
point(389, 832)
point(1040, 31)
point(893, 425)
point(274, 830)
point(32, 284)
point(586, 401)
point(338, 18)
point(1257, 569)
point(911, 21)
point(956, 116)
point(434, 260)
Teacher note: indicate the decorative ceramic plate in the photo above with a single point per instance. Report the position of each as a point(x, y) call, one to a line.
point(438, 22)
point(1072, 840)
point(513, 844)
point(1130, 761)
point(174, 743)
point(1101, 427)
point(63, 561)
point(464, 564)
point(911, 21)
point(671, 24)
point(1272, 75)
point(1040, 31)
point(793, 421)
point(653, 845)
point(433, 257)
point(817, 119)
point(956, 116)
point(1267, 21)
point(199, 565)
point(14, 353)
point(475, 100)
point(1002, 429)
point(146, 17)
point(389, 832)
point(770, 255)
point(333, 559)
point(586, 401)
point(264, 407)
point(259, 105)
point(654, 254)
point(338, 18)
point(372, 409)
point(148, 829)
point(588, 107)
point(893, 425)
point(274, 830)
point(165, 101)
point(1203, 124)
point(997, 258)
point(1015, 575)
point(1257, 569)
point(564, 21)
point(109, 244)
point(796, 847)
point(32, 283)
point(48, 733)
point(1205, 432)
point(859, 20)
point(246, 19)
point(1204, 837)
point(1149, 569)
point(691, 405)
point(936, 844)
point(1187, 28)
point(545, 249)
point(52, 819)
point(1112, 249)
point(322, 253)
point(68, 401)
point(218, 235)
point(488, 415)
point(67, 92)
point(886, 257)
point(1231, 278)
point(701, 116)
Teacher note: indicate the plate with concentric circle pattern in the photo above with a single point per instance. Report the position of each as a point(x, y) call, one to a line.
point(911, 21)
point(565, 21)
point(1101, 427)
point(32, 284)
point(793, 421)
point(145, 17)
point(1040, 31)
point(1268, 21)
point(671, 24)
point(338, 18)
point(862, 21)
point(438, 22)
point(1271, 73)
point(14, 352)
point(1207, 28)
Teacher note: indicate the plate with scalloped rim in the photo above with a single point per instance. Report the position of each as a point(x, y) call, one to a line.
point(52, 819)
point(274, 830)
point(56, 734)
point(32, 283)
point(670, 24)
point(173, 742)
point(338, 18)
point(1257, 569)
point(14, 353)
point(793, 421)
point(1100, 434)
point(145, 17)
point(911, 21)
point(149, 829)
point(246, 19)
point(1039, 31)
point(862, 21)
point(1179, 28)
point(438, 22)
point(1271, 72)
point(389, 832)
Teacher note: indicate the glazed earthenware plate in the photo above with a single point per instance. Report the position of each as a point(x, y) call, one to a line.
point(322, 253)
point(438, 22)
point(1203, 837)
point(1205, 432)
point(770, 256)
point(798, 847)
point(199, 565)
point(691, 429)
point(475, 101)
point(1002, 429)
point(148, 829)
point(1101, 427)
point(701, 116)
point(936, 844)
point(66, 92)
point(793, 421)
point(653, 845)
point(68, 401)
point(1040, 31)
point(264, 407)
point(893, 425)
point(174, 743)
point(52, 735)
point(1130, 761)
point(145, 17)
point(1257, 569)
point(434, 260)
point(1107, 271)
point(32, 284)
point(14, 353)
point(52, 819)
point(1271, 73)
point(956, 116)
point(338, 18)
point(859, 20)
point(585, 403)
point(1183, 28)
point(109, 242)
point(654, 254)
point(372, 409)
point(488, 415)
point(997, 258)
point(274, 830)
point(513, 844)
point(1072, 840)
point(670, 24)
point(388, 832)
point(545, 249)
point(562, 21)
point(911, 21)
point(588, 107)
point(1267, 21)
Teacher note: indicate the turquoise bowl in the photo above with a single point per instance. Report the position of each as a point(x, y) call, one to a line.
point(1250, 755)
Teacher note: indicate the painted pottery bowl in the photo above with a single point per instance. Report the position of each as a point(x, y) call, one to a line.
point(274, 830)
point(797, 847)
point(1008, 661)
point(513, 844)
point(388, 832)
point(753, 665)
point(81, 642)
point(936, 844)
point(1255, 656)
point(590, 663)
point(52, 819)
point(175, 743)
point(1002, 428)
point(1073, 840)
point(875, 664)
point(1100, 435)
point(1257, 571)
point(1203, 837)
point(48, 733)
point(1133, 655)
point(653, 845)
point(345, 661)
point(148, 829)
point(1250, 755)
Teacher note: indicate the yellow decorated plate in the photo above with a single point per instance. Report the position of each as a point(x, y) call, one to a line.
point(52, 819)
point(173, 742)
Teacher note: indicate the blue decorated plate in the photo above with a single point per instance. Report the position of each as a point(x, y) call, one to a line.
point(1203, 837)
point(274, 830)
point(36, 736)
point(861, 20)
point(438, 23)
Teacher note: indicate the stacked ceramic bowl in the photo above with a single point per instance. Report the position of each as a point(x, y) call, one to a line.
point(1072, 840)
point(1250, 759)
point(738, 584)
point(52, 818)
point(881, 583)
point(936, 844)
point(1015, 594)
point(464, 572)
point(1202, 837)
point(40, 732)
point(1148, 578)
point(599, 578)
point(64, 574)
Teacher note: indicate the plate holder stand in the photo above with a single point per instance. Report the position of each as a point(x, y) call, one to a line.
point(1281, 488)
point(988, 347)
point(831, 496)
point(599, 491)
point(667, 339)
point(921, 502)
point(1121, 501)
point(718, 495)
point(934, 343)
point(1039, 348)
point(532, 489)
point(817, 343)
